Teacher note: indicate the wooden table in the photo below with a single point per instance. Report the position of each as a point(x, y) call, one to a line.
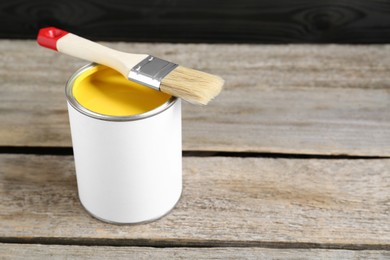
point(290, 161)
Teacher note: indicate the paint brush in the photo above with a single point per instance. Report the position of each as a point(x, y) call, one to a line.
point(192, 85)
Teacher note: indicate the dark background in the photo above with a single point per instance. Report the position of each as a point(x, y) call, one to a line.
point(230, 21)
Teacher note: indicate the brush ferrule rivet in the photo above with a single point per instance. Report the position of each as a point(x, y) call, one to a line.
point(151, 71)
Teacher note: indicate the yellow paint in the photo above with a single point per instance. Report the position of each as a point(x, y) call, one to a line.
point(105, 91)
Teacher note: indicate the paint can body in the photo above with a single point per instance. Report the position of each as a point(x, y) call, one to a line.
point(129, 170)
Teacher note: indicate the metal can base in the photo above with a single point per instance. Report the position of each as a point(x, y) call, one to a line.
point(132, 223)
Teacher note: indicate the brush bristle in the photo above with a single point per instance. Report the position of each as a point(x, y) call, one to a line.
point(192, 85)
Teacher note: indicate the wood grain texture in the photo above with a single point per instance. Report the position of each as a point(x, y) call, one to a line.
point(39, 252)
point(298, 99)
point(282, 203)
point(270, 21)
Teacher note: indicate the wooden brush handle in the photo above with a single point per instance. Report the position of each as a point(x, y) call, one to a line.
point(76, 46)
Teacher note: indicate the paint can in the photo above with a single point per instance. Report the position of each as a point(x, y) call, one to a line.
point(128, 168)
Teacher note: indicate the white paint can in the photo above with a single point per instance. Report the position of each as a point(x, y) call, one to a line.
point(128, 168)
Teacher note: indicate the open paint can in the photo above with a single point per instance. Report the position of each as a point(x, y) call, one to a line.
point(127, 146)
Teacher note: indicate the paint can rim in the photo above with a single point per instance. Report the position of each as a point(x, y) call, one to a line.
point(76, 105)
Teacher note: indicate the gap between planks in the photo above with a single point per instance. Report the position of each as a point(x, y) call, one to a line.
point(23, 251)
point(41, 150)
point(174, 243)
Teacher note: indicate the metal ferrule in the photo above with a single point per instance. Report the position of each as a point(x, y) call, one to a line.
point(151, 71)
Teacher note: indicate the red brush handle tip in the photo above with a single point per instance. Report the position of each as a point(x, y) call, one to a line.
point(48, 37)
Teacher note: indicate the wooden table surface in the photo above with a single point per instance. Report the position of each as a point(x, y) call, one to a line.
point(292, 160)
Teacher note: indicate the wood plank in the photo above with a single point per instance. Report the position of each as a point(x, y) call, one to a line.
point(357, 21)
point(26, 251)
point(284, 99)
point(293, 203)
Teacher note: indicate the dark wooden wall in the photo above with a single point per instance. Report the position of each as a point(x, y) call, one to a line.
point(241, 21)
